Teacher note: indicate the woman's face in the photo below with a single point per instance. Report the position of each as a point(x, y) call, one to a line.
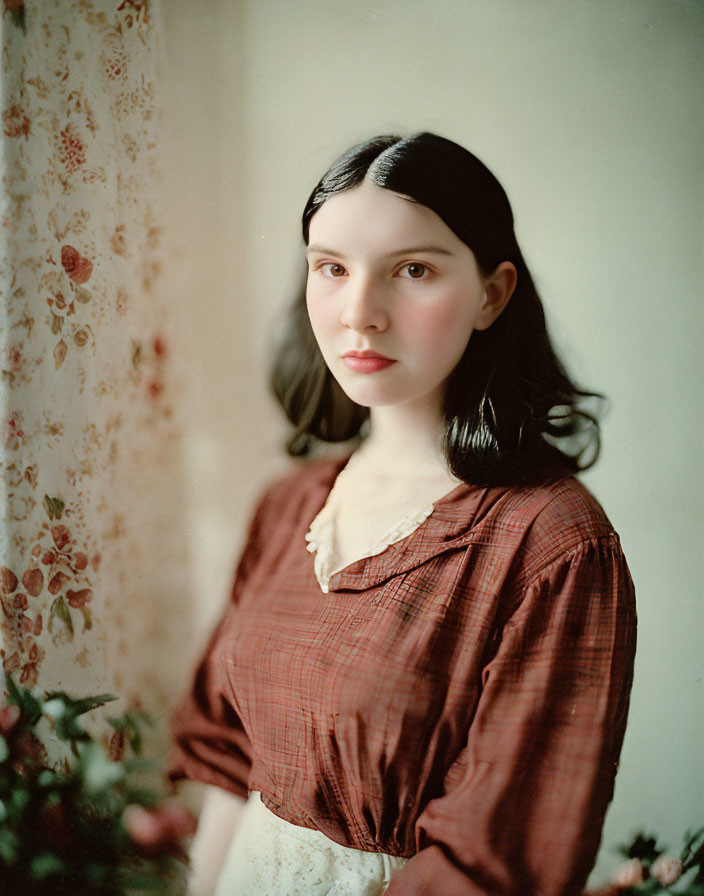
point(393, 296)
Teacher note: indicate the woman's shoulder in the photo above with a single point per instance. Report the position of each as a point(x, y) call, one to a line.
point(557, 521)
point(563, 505)
point(562, 509)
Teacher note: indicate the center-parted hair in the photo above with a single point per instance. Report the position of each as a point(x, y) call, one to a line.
point(512, 415)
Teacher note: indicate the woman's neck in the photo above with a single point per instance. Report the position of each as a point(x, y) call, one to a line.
point(405, 440)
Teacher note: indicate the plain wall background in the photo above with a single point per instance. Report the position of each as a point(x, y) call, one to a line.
point(590, 113)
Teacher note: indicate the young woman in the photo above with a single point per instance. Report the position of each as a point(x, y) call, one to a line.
point(422, 677)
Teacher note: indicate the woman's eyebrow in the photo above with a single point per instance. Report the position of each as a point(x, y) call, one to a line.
point(411, 250)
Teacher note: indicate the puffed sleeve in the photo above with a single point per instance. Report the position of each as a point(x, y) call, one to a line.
point(523, 804)
point(210, 743)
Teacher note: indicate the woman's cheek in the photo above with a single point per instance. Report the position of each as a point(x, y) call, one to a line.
point(319, 313)
point(448, 322)
point(325, 325)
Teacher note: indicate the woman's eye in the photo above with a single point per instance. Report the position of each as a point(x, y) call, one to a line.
point(414, 270)
point(332, 269)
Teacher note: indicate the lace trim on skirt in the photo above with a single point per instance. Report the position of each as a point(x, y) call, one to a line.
point(269, 855)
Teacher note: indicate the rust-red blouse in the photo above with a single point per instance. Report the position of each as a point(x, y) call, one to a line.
point(460, 698)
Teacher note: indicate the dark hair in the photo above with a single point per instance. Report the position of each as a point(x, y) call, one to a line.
point(512, 415)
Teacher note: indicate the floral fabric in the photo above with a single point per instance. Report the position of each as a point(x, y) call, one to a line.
point(88, 442)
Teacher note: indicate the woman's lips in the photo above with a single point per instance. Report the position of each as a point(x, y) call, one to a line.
point(366, 362)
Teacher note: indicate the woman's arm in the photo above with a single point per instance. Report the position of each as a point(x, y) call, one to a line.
point(216, 826)
point(524, 802)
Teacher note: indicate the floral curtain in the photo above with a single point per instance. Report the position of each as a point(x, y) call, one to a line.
point(93, 574)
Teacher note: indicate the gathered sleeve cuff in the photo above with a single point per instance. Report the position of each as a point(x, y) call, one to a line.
point(524, 802)
point(210, 743)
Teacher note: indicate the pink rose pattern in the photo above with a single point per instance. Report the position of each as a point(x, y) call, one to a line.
point(78, 269)
point(88, 438)
point(58, 574)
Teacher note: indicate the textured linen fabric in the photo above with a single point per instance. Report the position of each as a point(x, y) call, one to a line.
point(459, 699)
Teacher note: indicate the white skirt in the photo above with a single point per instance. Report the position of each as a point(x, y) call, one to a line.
point(272, 857)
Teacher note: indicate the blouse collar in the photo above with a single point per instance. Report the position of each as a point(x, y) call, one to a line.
point(450, 527)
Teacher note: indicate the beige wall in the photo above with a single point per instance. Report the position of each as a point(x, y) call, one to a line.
point(590, 114)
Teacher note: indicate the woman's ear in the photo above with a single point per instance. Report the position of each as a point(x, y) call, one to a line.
point(498, 289)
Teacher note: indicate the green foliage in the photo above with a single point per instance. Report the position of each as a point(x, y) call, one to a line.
point(54, 507)
point(59, 610)
point(62, 827)
point(130, 724)
point(644, 847)
point(693, 857)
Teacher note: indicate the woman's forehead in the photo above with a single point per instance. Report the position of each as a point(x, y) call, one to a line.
point(370, 216)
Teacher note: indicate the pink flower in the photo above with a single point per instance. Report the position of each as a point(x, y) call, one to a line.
point(80, 598)
point(14, 120)
point(630, 874)
point(144, 827)
point(667, 870)
point(9, 717)
point(8, 580)
point(160, 830)
point(19, 602)
point(33, 581)
point(57, 581)
point(61, 536)
point(178, 819)
point(80, 560)
point(78, 268)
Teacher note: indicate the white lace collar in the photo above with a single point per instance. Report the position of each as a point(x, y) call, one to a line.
point(321, 537)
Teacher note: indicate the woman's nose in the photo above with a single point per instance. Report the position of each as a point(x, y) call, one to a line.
point(364, 307)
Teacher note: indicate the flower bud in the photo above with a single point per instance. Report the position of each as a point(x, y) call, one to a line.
point(144, 827)
point(159, 830)
point(178, 819)
point(630, 874)
point(667, 870)
point(9, 717)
